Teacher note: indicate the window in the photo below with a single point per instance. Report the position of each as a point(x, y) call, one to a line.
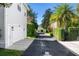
point(7, 5)
point(12, 28)
point(19, 8)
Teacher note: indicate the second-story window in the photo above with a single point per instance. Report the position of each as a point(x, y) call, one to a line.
point(7, 5)
point(19, 7)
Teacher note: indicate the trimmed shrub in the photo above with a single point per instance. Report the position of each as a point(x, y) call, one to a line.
point(31, 30)
point(59, 34)
point(42, 30)
point(47, 31)
point(51, 34)
point(73, 32)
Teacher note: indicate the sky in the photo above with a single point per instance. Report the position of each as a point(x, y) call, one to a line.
point(40, 9)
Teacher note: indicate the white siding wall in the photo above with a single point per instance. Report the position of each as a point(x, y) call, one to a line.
point(14, 18)
point(2, 41)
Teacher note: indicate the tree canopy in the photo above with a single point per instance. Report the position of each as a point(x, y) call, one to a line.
point(33, 16)
point(64, 15)
point(46, 17)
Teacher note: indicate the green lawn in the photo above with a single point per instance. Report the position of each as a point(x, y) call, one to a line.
point(6, 52)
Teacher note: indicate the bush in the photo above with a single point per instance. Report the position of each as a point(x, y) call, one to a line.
point(73, 32)
point(59, 33)
point(41, 30)
point(46, 31)
point(51, 34)
point(31, 30)
point(65, 35)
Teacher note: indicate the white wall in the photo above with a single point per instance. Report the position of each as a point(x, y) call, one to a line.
point(2, 41)
point(14, 18)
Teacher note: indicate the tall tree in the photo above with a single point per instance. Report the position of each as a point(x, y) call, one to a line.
point(77, 11)
point(64, 15)
point(77, 8)
point(34, 21)
point(46, 17)
point(33, 17)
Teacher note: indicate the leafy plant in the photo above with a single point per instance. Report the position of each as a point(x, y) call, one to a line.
point(64, 16)
point(46, 17)
point(31, 30)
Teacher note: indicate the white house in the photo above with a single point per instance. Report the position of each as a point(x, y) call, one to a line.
point(12, 24)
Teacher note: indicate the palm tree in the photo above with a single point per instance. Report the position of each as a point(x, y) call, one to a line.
point(46, 17)
point(77, 8)
point(64, 15)
point(34, 21)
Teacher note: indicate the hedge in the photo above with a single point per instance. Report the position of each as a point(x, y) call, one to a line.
point(31, 30)
point(59, 34)
point(73, 32)
point(51, 34)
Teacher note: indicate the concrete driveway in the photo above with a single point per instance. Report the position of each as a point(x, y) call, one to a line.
point(21, 45)
point(71, 45)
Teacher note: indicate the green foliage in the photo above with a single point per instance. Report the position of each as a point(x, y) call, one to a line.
point(31, 30)
point(35, 24)
point(70, 35)
point(32, 25)
point(33, 16)
point(7, 52)
point(51, 34)
point(41, 30)
point(64, 16)
point(59, 33)
point(46, 17)
point(77, 8)
point(47, 31)
point(73, 32)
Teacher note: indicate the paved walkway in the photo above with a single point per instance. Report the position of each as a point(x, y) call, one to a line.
point(21, 45)
point(71, 45)
point(44, 47)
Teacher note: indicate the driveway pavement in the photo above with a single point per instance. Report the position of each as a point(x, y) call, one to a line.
point(44, 47)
